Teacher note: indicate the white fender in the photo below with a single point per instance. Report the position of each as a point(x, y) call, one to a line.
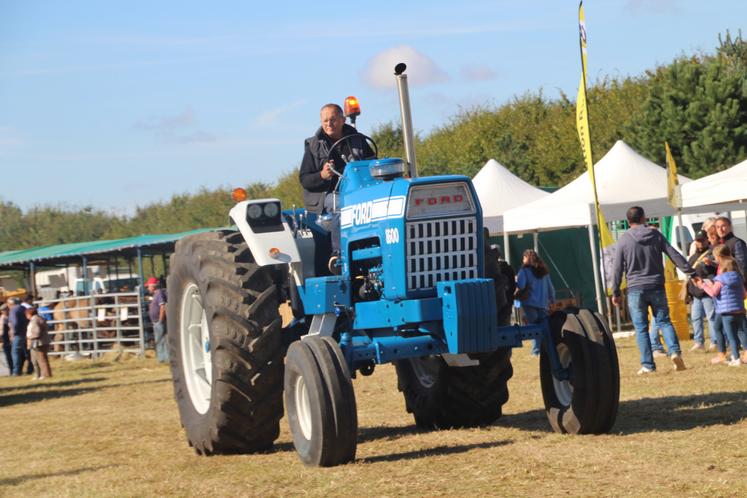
point(261, 243)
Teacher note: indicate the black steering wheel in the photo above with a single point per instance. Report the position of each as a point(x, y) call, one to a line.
point(346, 138)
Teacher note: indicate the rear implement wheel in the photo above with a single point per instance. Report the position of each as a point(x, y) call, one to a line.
point(586, 403)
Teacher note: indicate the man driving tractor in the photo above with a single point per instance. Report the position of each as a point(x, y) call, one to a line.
point(322, 164)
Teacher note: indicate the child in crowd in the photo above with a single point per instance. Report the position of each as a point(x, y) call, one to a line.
point(727, 289)
point(534, 290)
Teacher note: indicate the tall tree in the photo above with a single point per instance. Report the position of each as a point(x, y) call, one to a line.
point(699, 105)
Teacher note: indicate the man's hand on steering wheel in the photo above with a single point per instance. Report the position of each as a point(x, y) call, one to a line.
point(328, 169)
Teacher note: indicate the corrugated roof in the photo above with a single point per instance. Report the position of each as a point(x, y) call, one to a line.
point(62, 252)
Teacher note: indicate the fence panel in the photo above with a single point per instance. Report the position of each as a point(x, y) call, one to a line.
point(92, 325)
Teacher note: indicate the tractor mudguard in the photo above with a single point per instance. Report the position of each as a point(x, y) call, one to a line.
point(268, 247)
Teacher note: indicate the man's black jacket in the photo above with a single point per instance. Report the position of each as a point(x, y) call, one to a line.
point(316, 153)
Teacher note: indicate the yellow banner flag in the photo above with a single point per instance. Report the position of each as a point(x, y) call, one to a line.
point(584, 137)
point(674, 198)
point(673, 184)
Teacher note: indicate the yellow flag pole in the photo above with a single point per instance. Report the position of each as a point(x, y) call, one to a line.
point(674, 196)
point(584, 135)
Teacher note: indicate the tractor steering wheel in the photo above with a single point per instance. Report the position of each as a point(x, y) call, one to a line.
point(346, 138)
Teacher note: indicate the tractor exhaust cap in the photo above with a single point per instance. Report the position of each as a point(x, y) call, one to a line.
point(408, 137)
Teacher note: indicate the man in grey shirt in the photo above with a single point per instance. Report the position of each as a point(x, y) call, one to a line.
point(639, 255)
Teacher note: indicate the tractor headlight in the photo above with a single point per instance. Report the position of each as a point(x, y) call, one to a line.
point(263, 215)
point(271, 210)
point(254, 211)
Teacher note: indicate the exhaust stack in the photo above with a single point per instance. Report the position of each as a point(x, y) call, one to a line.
point(404, 107)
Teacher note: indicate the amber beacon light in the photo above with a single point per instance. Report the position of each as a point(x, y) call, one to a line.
point(238, 194)
point(352, 107)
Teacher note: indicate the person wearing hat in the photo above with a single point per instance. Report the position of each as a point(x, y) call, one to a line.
point(702, 304)
point(157, 314)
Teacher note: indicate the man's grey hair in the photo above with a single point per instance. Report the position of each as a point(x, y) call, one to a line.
point(336, 107)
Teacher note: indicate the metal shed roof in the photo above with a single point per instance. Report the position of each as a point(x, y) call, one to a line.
point(66, 253)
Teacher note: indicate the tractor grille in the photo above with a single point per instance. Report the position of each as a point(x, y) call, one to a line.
point(441, 250)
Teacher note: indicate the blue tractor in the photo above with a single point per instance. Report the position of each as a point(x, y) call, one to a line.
point(418, 286)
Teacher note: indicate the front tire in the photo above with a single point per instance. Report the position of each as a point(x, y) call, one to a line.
point(587, 402)
point(321, 402)
point(225, 345)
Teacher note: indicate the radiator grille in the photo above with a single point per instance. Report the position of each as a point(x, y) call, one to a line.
point(441, 250)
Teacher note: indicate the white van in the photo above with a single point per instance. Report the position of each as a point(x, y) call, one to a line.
point(107, 284)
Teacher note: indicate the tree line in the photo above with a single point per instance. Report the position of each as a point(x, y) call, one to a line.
point(697, 103)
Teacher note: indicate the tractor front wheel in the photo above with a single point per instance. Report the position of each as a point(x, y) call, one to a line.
point(320, 401)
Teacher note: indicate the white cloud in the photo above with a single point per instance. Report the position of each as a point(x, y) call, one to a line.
point(269, 118)
point(176, 129)
point(195, 137)
point(421, 70)
point(477, 73)
point(166, 124)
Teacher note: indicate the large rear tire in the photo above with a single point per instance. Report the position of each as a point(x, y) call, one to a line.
point(225, 345)
point(442, 397)
point(321, 402)
point(587, 402)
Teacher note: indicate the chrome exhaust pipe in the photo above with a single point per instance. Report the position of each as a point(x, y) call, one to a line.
point(408, 136)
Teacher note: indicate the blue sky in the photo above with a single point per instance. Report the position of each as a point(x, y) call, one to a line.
point(119, 104)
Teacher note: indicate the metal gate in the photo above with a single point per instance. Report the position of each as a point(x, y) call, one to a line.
point(96, 324)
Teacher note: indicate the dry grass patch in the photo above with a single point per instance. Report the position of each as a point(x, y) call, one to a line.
point(112, 429)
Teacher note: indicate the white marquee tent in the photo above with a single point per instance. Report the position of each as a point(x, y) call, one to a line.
point(624, 179)
point(720, 191)
point(500, 190)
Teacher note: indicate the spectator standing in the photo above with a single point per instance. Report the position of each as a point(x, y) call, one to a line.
point(654, 331)
point(505, 282)
point(18, 324)
point(6, 339)
point(727, 289)
point(38, 340)
point(536, 291)
point(707, 224)
point(639, 256)
point(737, 246)
point(157, 314)
point(701, 303)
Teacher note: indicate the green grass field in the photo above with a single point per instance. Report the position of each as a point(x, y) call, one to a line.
point(112, 429)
